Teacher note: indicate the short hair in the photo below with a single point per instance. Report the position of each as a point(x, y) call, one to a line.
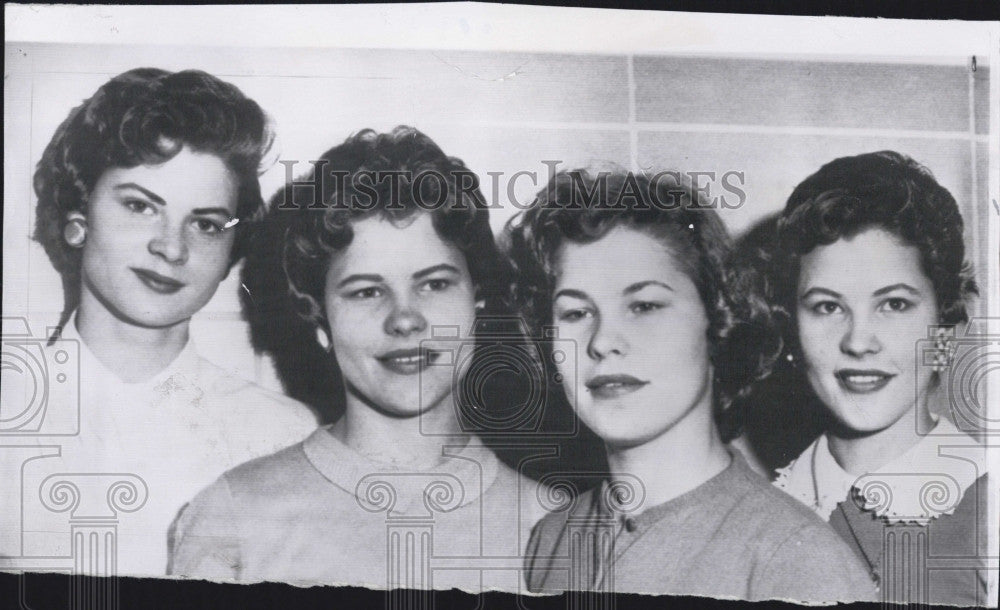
point(565, 211)
point(307, 225)
point(145, 117)
point(320, 224)
point(884, 190)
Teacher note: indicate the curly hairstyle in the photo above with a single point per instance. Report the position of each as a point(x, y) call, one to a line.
point(308, 224)
point(565, 210)
point(145, 116)
point(884, 190)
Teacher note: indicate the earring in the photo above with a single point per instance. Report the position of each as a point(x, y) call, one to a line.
point(322, 338)
point(75, 231)
point(944, 348)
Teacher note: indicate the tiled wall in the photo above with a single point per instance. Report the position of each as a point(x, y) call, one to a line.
point(774, 120)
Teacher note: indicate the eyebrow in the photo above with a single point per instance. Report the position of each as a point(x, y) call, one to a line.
point(157, 199)
point(360, 277)
point(148, 193)
point(636, 287)
point(570, 292)
point(374, 277)
point(899, 286)
point(435, 269)
point(825, 291)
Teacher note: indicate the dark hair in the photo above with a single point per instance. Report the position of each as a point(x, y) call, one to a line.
point(145, 117)
point(884, 190)
point(565, 211)
point(285, 273)
point(780, 414)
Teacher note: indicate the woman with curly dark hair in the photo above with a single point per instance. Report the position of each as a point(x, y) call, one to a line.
point(144, 193)
point(870, 261)
point(636, 275)
point(387, 260)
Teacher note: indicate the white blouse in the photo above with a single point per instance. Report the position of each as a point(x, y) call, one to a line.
point(97, 479)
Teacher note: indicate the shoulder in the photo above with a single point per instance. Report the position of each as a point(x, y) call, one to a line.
point(969, 517)
point(561, 504)
point(763, 502)
point(250, 402)
point(284, 473)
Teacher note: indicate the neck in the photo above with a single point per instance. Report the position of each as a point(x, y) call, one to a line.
point(398, 440)
point(859, 454)
point(133, 353)
point(679, 460)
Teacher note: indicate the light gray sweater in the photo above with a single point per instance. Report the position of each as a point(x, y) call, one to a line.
point(733, 536)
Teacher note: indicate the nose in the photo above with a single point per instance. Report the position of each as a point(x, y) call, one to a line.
point(404, 320)
point(606, 341)
point(170, 244)
point(860, 338)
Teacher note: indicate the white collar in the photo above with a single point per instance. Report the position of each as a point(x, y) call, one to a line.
point(921, 484)
point(186, 361)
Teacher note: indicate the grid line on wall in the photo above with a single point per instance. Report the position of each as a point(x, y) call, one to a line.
point(973, 225)
point(633, 132)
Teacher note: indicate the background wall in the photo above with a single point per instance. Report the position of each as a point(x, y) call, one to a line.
point(774, 119)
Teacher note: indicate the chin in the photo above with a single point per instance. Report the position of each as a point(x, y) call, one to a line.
point(149, 319)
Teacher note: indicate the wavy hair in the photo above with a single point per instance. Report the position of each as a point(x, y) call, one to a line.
point(885, 190)
point(145, 117)
point(566, 211)
point(284, 276)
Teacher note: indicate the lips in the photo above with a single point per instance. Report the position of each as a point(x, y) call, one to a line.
point(613, 386)
point(863, 381)
point(407, 361)
point(156, 282)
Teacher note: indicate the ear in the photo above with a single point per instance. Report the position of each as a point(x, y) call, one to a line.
point(322, 338)
point(76, 217)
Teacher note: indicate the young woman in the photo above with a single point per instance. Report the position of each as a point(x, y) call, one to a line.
point(636, 277)
point(870, 260)
point(143, 195)
point(392, 250)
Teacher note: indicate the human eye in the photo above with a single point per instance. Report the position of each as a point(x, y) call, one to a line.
point(436, 284)
point(896, 305)
point(138, 206)
point(573, 314)
point(826, 308)
point(208, 226)
point(367, 292)
point(643, 307)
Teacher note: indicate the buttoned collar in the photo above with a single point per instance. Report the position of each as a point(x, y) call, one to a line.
point(919, 485)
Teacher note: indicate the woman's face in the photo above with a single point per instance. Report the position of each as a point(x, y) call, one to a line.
point(863, 303)
point(156, 248)
point(384, 294)
point(641, 336)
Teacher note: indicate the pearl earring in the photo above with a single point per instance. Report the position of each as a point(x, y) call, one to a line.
point(75, 232)
point(322, 338)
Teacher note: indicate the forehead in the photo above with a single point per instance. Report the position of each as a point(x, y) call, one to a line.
point(189, 179)
point(863, 263)
point(620, 258)
point(395, 248)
